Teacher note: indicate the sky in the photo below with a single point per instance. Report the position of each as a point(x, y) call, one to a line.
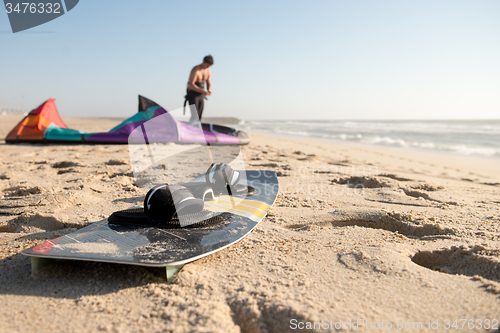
point(426, 59)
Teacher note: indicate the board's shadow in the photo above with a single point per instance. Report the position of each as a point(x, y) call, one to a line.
point(73, 279)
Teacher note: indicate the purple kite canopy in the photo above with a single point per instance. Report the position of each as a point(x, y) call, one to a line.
point(150, 125)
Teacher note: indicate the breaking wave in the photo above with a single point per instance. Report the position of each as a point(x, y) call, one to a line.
point(464, 137)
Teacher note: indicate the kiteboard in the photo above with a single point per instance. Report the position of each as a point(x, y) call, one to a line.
point(169, 247)
point(243, 137)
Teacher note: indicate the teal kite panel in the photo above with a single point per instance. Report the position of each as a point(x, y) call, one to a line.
point(54, 132)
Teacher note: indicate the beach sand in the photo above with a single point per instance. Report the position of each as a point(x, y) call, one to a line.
point(358, 235)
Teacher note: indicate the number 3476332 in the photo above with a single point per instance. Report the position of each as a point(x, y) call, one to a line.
point(40, 8)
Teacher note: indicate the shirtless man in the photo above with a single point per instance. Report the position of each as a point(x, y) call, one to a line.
point(196, 87)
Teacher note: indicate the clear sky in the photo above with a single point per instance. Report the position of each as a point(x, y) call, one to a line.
point(425, 59)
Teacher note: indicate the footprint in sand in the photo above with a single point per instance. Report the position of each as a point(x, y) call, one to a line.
point(424, 196)
point(43, 202)
point(69, 170)
point(22, 191)
point(257, 313)
point(341, 163)
point(390, 181)
point(403, 223)
point(426, 187)
point(310, 157)
point(64, 164)
point(115, 162)
point(325, 172)
point(417, 194)
point(28, 222)
point(364, 182)
point(395, 177)
point(374, 260)
point(267, 165)
point(122, 174)
point(475, 261)
point(492, 184)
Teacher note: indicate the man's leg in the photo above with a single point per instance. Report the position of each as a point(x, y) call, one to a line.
point(200, 104)
point(194, 112)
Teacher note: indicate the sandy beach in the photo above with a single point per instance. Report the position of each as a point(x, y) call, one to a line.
point(359, 238)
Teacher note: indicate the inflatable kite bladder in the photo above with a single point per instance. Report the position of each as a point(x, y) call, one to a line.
point(44, 125)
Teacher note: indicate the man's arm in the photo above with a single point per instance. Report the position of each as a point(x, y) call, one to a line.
point(209, 83)
point(192, 80)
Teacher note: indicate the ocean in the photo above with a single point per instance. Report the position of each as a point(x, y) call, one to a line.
point(478, 138)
